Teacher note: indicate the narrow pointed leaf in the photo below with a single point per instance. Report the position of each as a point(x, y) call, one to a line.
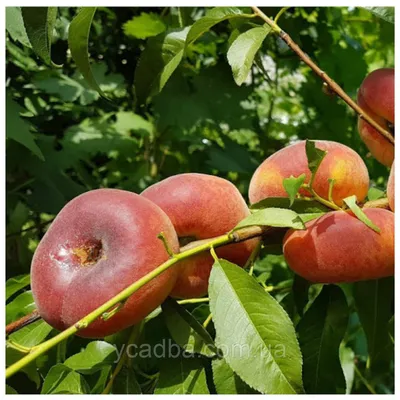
point(254, 332)
point(39, 24)
point(347, 361)
point(213, 17)
point(243, 50)
point(15, 25)
point(314, 156)
point(78, 40)
point(320, 332)
point(374, 301)
point(276, 217)
point(300, 206)
point(351, 202)
point(158, 61)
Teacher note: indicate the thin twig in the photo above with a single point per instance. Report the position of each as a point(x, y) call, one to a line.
point(137, 329)
point(207, 321)
point(231, 237)
point(323, 75)
point(24, 321)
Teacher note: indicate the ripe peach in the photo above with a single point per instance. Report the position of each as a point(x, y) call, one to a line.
point(338, 247)
point(200, 207)
point(390, 188)
point(101, 242)
point(341, 163)
point(376, 97)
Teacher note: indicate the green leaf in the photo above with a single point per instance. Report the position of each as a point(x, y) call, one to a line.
point(158, 61)
point(300, 293)
point(213, 17)
point(31, 371)
point(78, 40)
point(182, 375)
point(299, 205)
point(93, 358)
point(126, 383)
point(32, 334)
point(391, 328)
point(128, 121)
point(39, 24)
point(375, 194)
point(15, 25)
point(276, 217)
point(63, 380)
point(186, 330)
point(102, 380)
point(374, 301)
point(346, 355)
point(19, 130)
point(9, 389)
point(314, 156)
point(226, 381)
point(20, 306)
point(351, 202)
point(320, 332)
point(386, 13)
point(13, 285)
point(292, 186)
point(243, 50)
point(144, 26)
point(254, 332)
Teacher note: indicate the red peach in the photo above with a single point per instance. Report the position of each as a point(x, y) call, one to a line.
point(341, 163)
point(376, 98)
point(338, 247)
point(200, 207)
point(390, 188)
point(101, 242)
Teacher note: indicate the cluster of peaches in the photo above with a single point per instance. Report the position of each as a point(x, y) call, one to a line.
point(106, 239)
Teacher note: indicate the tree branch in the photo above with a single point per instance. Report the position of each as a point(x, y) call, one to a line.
point(329, 81)
point(24, 321)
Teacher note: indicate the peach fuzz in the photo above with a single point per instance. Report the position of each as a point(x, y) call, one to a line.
point(341, 163)
point(200, 207)
point(376, 98)
point(101, 242)
point(390, 188)
point(338, 247)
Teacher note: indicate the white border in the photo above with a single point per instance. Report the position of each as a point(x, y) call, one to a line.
point(151, 3)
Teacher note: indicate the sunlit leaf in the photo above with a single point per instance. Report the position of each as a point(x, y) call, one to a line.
point(39, 24)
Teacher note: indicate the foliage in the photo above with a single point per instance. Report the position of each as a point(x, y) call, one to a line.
point(144, 93)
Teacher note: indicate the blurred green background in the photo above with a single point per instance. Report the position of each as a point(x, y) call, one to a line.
point(64, 139)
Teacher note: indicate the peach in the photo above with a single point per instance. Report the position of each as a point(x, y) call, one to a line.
point(101, 242)
point(200, 207)
point(341, 163)
point(390, 188)
point(376, 98)
point(338, 247)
